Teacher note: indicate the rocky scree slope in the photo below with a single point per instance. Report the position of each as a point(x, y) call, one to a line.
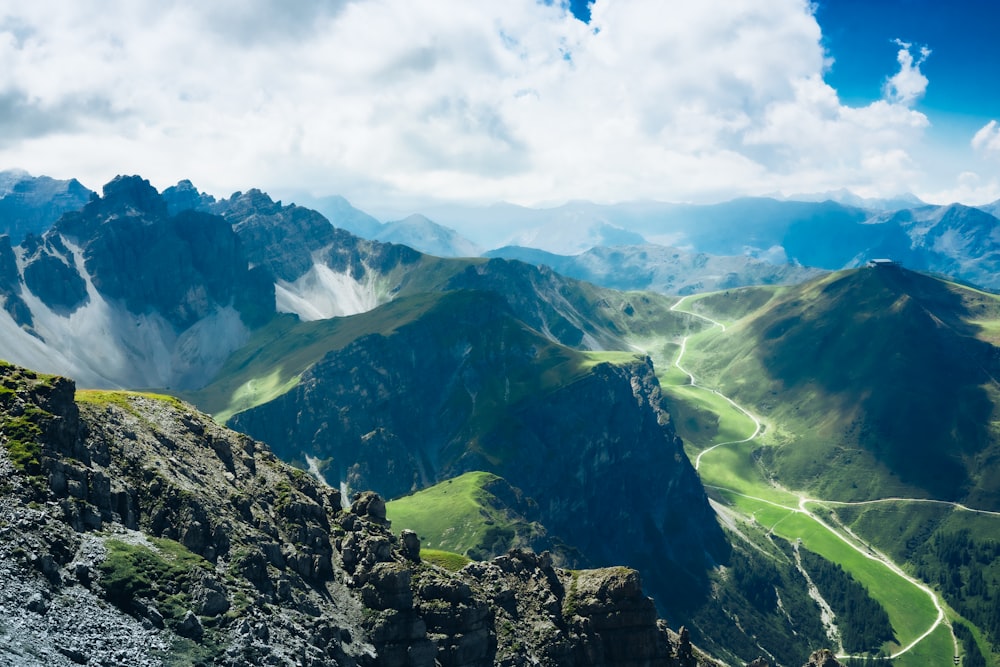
point(137, 531)
point(122, 293)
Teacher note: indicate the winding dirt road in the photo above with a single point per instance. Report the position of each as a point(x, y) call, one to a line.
point(844, 535)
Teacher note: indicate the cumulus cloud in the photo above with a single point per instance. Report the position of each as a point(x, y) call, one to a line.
point(908, 84)
point(515, 101)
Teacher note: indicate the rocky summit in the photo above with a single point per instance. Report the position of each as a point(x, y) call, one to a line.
point(137, 531)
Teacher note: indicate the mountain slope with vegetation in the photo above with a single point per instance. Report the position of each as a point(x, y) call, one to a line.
point(881, 371)
point(137, 531)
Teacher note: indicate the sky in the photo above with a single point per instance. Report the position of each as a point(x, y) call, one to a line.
point(402, 103)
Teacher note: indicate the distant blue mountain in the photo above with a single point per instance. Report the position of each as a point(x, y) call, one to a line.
point(30, 204)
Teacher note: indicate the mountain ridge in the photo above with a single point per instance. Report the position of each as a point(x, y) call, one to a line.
point(227, 556)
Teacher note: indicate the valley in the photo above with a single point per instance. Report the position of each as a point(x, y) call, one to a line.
point(731, 469)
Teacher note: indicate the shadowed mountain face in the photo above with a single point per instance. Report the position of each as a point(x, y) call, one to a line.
point(180, 266)
point(885, 359)
point(121, 292)
point(469, 387)
point(912, 353)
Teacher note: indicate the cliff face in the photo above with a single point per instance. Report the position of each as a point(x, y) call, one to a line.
point(468, 387)
point(121, 293)
point(137, 531)
point(182, 266)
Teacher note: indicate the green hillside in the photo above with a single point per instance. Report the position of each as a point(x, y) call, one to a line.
point(477, 514)
point(875, 394)
point(872, 382)
point(272, 361)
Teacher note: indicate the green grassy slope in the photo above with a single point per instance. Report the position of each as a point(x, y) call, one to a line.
point(875, 382)
point(863, 380)
point(576, 314)
point(476, 514)
point(272, 361)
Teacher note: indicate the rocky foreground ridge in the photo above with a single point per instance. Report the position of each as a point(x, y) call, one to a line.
point(134, 530)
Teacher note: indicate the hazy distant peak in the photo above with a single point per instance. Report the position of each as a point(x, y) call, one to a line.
point(849, 198)
point(185, 197)
point(11, 177)
point(423, 234)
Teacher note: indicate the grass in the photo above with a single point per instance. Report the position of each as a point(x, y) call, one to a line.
point(124, 399)
point(910, 609)
point(131, 571)
point(934, 650)
point(460, 515)
point(592, 359)
point(271, 363)
point(703, 418)
point(842, 361)
point(21, 439)
point(728, 306)
point(258, 391)
point(274, 360)
point(446, 559)
point(799, 424)
point(21, 434)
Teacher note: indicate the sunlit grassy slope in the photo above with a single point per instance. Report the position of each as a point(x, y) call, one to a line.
point(464, 515)
point(271, 362)
point(828, 366)
point(873, 382)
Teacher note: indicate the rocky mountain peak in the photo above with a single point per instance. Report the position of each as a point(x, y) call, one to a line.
point(185, 197)
point(252, 201)
point(132, 195)
point(29, 205)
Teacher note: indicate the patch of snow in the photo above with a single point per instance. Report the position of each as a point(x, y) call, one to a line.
point(313, 463)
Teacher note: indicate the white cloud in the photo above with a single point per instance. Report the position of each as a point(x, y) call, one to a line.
point(987, 139)
point(968, 188)
point(449, 99)
point(908, 84)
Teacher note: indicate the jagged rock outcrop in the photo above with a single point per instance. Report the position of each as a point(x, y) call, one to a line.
point(181, 266)
point(11, 286)
point(321, 271)
point(185, 197)
point(136, 531)
point(121, 293)
point(822, 658)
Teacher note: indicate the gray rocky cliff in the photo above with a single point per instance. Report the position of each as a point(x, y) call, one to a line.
point(182, 267)
point(136, 531)
point(289, 239)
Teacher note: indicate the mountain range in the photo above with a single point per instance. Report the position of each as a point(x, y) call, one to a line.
point(375, 366)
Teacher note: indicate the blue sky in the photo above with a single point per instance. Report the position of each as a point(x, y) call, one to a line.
point(401, 103)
